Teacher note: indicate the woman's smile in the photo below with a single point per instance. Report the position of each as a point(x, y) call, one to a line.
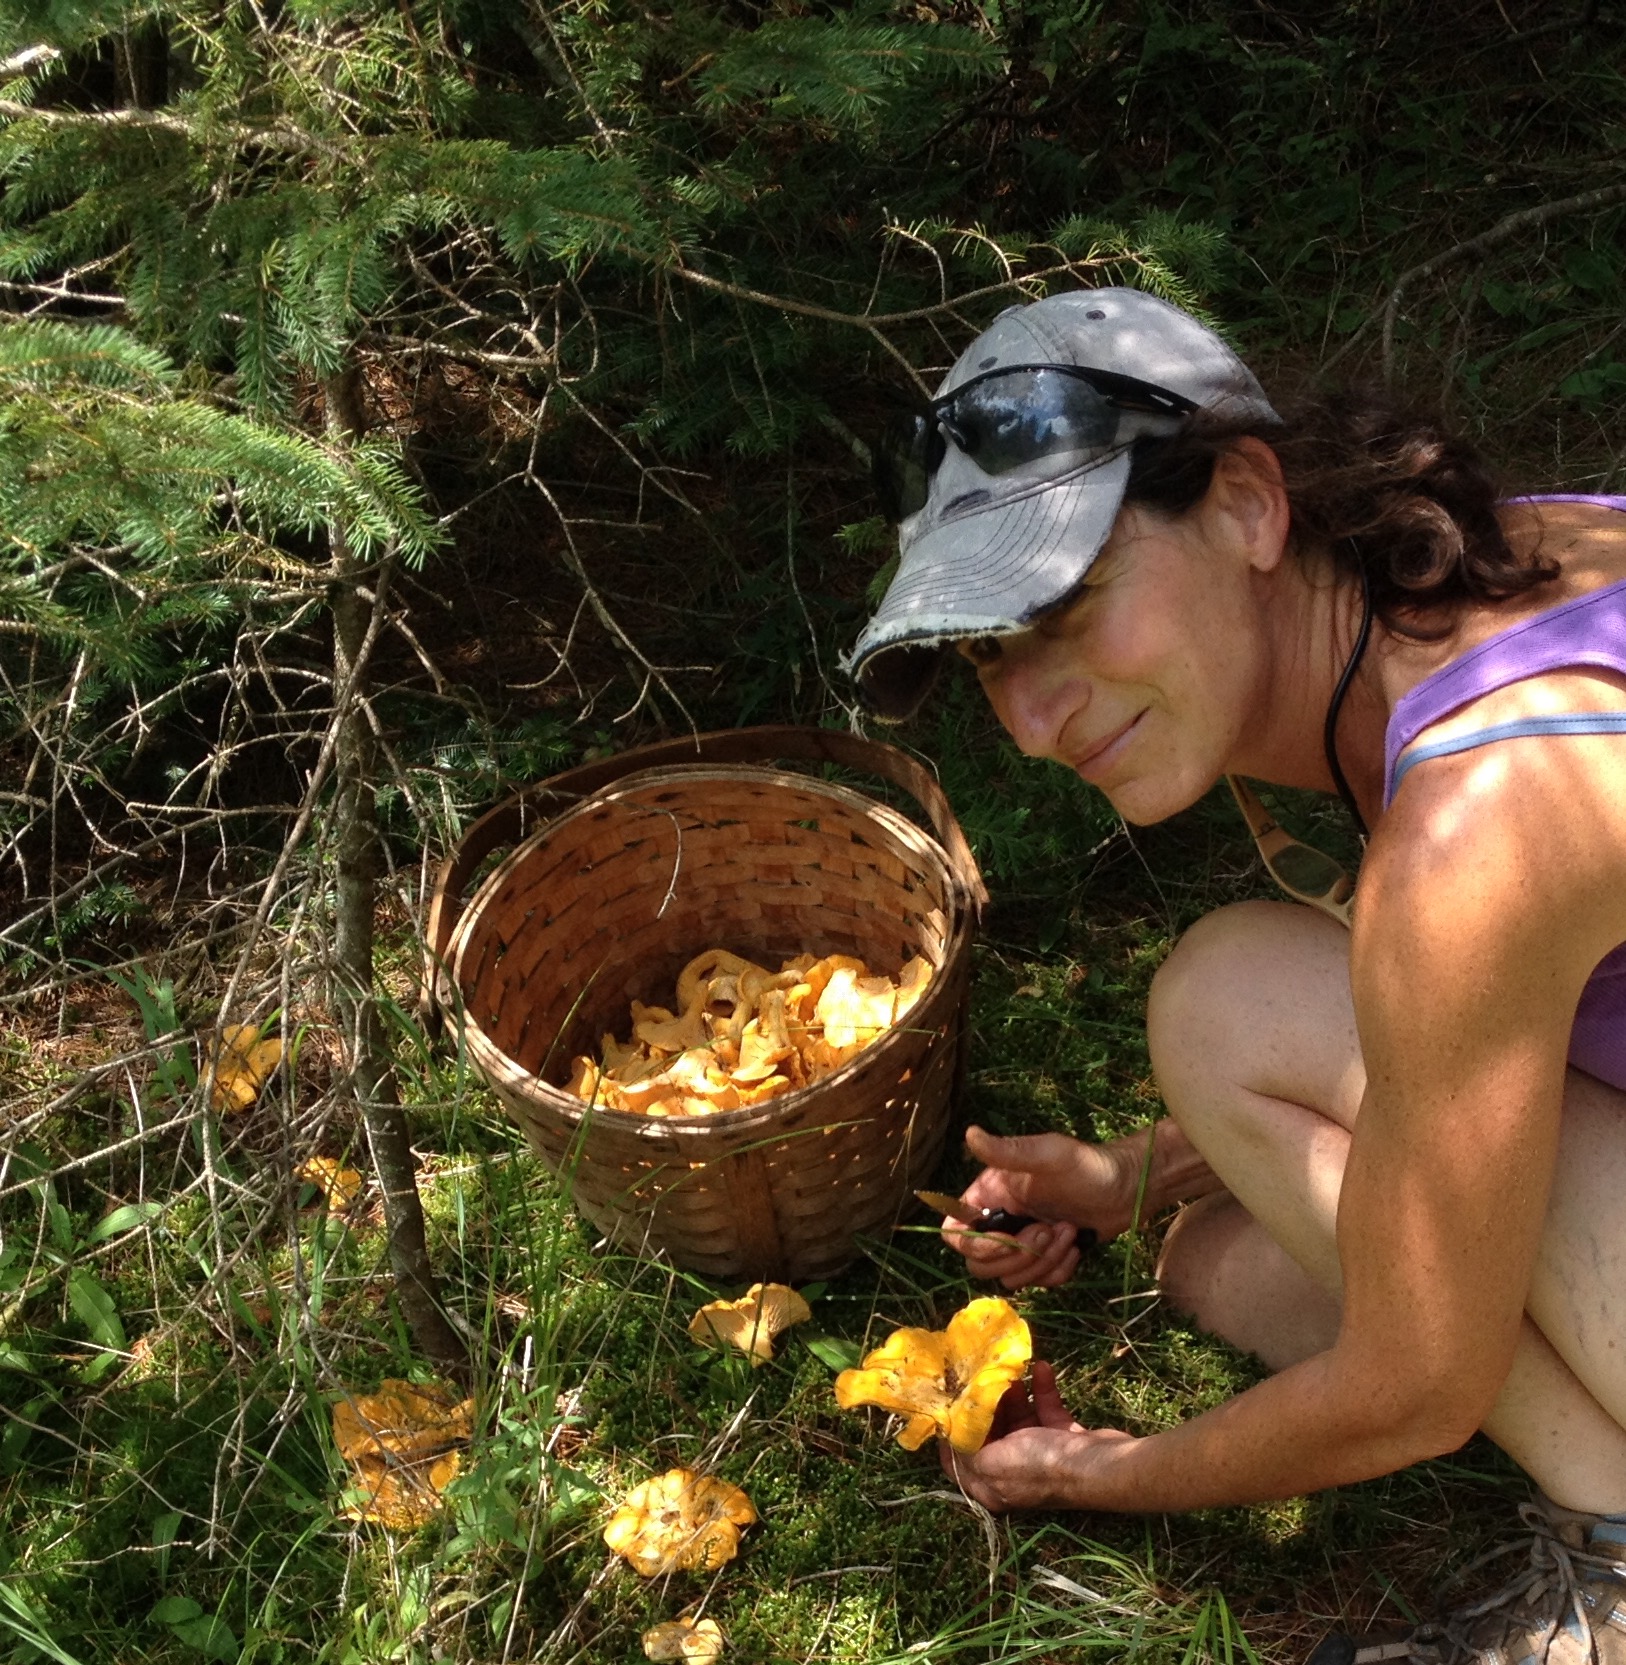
point(1097, 761)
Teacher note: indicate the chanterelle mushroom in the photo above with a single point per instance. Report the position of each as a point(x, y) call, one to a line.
point(699, 1642)
point(740, 1034)
point(677, 1521)
point(945, 1382)
point(751, 1322)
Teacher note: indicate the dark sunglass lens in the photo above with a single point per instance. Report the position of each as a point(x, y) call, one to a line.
point(904, 462)
point(1006, 420)
point(1305, 871)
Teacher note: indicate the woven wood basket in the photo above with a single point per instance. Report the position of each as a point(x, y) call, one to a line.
point(621, 872)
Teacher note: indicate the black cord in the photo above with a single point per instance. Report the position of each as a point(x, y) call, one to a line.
point(1329, 731)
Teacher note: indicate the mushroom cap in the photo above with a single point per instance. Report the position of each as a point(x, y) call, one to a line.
point(740, 1034)
point(701, 1641)
point(913, 981)
point(679, 1520)
point(944, 1382)
point(751, 1322)
point(402, 1444)
point(340, 1186)
point(241, 1068)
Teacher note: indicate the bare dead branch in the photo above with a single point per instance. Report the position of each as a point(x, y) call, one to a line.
point(1509, 226)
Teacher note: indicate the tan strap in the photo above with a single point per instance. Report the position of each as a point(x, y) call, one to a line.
point(520, 815)
point(1279, 850)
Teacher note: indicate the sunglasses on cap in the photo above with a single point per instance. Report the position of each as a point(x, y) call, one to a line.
point(1304, 872)
point(1008, 417)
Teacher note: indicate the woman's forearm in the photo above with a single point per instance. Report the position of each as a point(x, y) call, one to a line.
point(1162, 1167)
point(1298, 1432)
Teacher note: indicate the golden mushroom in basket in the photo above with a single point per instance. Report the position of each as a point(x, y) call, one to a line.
point(740, 1034)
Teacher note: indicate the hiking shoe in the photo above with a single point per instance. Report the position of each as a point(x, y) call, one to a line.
point(1567, 1606)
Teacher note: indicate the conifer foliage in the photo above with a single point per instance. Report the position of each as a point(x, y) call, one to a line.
point(234, 237)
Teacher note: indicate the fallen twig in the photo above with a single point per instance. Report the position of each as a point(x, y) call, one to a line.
point(1585, 202)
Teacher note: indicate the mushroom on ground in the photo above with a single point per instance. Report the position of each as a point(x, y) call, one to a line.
point(751, 1322)
point(677, 1521)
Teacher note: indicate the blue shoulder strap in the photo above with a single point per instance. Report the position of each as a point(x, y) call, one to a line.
point(1568, 722)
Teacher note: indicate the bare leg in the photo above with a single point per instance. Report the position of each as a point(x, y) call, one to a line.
point(1222, 1269)
point(1253, 1040)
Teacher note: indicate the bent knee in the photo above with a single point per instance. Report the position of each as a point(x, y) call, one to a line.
point(1193, 1247)
point(1204, 966)
point(1206, 992)
point(1239, 979)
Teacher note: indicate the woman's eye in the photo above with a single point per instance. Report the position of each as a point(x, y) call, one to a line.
point(980, 650)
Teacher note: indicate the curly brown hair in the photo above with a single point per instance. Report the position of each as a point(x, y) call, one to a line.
point(1387, 490)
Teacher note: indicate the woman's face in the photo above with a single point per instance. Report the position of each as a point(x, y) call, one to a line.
point(1145, 683)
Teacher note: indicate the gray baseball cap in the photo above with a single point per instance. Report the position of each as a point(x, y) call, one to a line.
point(992, 551)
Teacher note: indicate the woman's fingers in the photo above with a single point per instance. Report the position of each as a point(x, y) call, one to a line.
point(1045, 1254)
point(1048, 1409)
point(1014, 1410)
point(1038, 1468)
point(1025, 1153)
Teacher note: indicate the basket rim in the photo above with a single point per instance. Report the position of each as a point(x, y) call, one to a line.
point(958, 908)
point(894, 821)
point(506, 822)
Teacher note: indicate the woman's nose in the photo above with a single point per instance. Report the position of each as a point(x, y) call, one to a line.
point(1033, 695)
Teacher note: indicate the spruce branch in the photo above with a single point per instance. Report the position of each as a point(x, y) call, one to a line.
point(875, 324)
point(280, 136)
point(30, 61)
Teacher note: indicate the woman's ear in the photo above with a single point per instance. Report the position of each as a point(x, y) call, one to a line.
point(1248, 492)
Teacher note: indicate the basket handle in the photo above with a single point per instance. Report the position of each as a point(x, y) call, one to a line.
point(511, 820)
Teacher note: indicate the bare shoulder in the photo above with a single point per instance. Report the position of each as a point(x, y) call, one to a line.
point(1587, 540)
point(1516, 848)
point(1584, 541)
point(1588, 543)
point(1507, 860)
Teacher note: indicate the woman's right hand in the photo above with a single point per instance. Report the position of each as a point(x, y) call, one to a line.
point(1077, 1191)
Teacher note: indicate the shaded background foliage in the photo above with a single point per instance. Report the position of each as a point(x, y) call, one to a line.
point(617, 293)
point(607, 272)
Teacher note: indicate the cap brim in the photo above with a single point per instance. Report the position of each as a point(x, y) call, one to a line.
point(989, 573)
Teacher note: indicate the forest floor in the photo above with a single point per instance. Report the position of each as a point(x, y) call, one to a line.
point(186, 1310)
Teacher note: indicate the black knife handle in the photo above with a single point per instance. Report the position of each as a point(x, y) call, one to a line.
point(1000, 1219)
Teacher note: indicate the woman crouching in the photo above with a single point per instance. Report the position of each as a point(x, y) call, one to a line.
point(1401, 1144)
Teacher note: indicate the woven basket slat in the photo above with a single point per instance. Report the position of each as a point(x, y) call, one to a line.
point(605, 899)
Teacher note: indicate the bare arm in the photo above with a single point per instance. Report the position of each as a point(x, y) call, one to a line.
point(1469, 955)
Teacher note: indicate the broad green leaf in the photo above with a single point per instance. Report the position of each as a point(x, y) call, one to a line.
point(569, 1490)
point(212, 1637)
point(91, 1370)
point(94, 1308)
point(176, 1610)
point(834, 1352)
point(122, 1219)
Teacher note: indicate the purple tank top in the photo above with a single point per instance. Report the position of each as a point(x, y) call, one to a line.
point(1589, 630)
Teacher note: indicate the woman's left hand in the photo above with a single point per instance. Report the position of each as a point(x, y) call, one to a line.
point(1035, 1457)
